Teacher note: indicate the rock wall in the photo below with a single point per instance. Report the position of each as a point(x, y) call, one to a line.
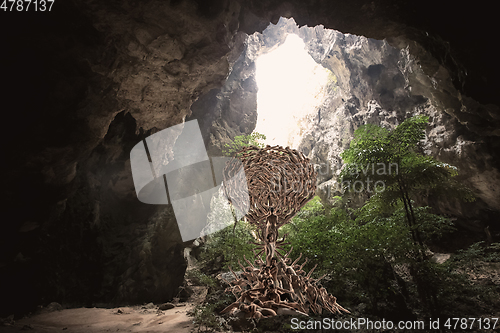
point(87, 81)
point(379, 84)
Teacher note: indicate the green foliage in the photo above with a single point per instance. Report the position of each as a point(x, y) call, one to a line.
point(232, 243)
point(391, 211)
point(200, 279)
point(431, 226)
point(454, 284)
point(207, 316)
point(360, 254)
point(226, 238)
point(392, 163)
point(475, 253)
point(205, 319)
point(242, 141)
point(354, 253)
point(393, 158)
point(371, 254)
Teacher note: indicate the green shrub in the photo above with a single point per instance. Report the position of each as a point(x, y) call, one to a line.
point(205, 319)
point(360, 255)
point(241, 141)
point(232, 243)
point(201, 279)
point(458, 293)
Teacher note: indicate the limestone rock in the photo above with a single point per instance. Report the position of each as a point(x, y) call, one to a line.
point(166, 306)
point(92, 79)
point(382, 85)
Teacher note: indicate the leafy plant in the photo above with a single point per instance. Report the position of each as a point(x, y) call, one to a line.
point(232, 243)
point(375, 254)
point(402, 172)
point(476, 253)
point(391, 161)
point(455, 285)
point(206, 315)
point(353, 253)
point(241, 141)
point(204, 318)
point(200, 278)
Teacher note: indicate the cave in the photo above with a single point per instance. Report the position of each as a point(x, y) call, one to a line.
point(86, 81)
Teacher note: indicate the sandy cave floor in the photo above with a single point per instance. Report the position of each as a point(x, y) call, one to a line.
point(123, 319)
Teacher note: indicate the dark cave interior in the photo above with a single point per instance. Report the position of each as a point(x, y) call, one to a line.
point(77, 97)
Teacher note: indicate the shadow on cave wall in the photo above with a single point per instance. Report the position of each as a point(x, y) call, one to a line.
point(100, 245)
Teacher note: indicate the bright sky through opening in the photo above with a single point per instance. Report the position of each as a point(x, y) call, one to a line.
point(291, 85)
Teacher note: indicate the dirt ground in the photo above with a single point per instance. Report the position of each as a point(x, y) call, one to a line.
point(145, 318)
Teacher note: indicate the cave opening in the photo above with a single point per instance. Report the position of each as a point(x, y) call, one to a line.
point(291, 87)
point(103, 76)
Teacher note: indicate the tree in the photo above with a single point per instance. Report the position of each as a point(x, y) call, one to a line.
point(391, 161)
point(241, 141)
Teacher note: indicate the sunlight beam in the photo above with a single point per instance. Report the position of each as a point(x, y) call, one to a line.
point(291, 85)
